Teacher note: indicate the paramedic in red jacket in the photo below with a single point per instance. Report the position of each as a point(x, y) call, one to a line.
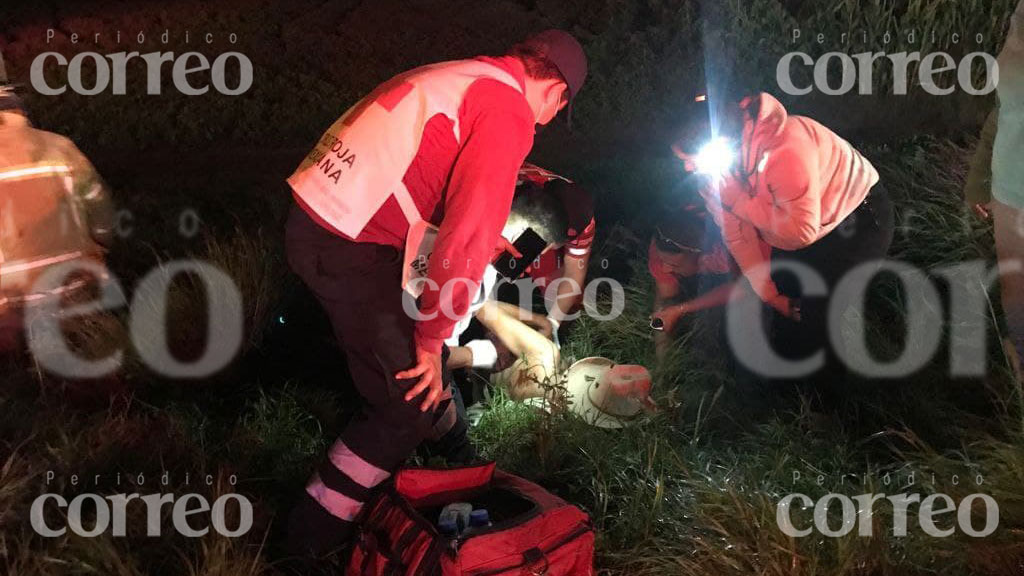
point(566, 266)
point(796, 191)
point(462, 179)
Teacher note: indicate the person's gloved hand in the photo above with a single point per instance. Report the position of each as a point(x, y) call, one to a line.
point(485, 353)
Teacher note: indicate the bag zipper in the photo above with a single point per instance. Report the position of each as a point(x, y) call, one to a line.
point(578, 532)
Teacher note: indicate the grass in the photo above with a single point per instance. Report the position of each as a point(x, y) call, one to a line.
point(691, 490)
point(694, 490)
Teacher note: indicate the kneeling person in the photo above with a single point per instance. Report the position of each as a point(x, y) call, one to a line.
point(440, 144)
point(516, 350)
point(683, 252)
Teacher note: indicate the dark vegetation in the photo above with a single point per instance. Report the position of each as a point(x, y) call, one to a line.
point(692, 491)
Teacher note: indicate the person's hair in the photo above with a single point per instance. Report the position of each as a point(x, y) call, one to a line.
point(680, 227)
point(542, 212)
point(536, 64)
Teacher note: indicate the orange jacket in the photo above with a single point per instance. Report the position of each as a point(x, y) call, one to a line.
point(803, 181)
point(53, 208)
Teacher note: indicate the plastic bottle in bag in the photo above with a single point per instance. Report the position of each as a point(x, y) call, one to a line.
point(457, 513)
point(478, 520)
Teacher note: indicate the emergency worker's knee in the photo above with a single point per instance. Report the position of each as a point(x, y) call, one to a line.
point(405, 420)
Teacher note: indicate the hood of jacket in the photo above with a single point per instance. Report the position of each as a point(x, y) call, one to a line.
point(764, 121)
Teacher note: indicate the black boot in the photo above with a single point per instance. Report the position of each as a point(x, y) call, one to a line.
point(313, 534)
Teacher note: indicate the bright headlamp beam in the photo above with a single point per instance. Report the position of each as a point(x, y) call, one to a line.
point(714, 158)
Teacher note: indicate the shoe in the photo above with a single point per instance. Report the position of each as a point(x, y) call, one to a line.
point(475, 413)
point(314, 534)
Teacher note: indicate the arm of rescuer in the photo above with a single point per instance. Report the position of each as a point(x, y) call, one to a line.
point(90, 195)
point(497, 127)
point(717, 262)
point(786, 207)
point(750, 252)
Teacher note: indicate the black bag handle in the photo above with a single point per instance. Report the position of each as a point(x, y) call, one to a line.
point(533, 556)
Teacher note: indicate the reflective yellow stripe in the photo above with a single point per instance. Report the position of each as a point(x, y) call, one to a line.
point(58, 291)
point(33, 171)
point(11, 269)
point(94, 192)
point(42, 295)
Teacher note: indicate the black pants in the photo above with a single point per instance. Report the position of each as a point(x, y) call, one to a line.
point(864, 236)
point(359, 286)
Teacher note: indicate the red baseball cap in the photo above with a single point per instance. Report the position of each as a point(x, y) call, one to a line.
point(566, 54)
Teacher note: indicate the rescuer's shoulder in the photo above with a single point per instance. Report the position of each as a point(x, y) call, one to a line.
point(489, 97)
point(62, 146)
point(51, 140)
point(43, 144)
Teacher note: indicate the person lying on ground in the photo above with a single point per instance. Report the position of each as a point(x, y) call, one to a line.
point(527, 365)
point(518, 347)
point(518, 358)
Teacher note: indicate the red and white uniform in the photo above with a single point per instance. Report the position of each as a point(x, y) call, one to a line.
point(462, 179)
point(579, 206)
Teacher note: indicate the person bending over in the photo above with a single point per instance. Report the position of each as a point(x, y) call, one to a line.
point(798, 194)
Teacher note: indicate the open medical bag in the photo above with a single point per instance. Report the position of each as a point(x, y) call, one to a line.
point(533, 532)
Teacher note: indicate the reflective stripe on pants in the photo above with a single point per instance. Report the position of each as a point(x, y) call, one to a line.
point(359, 286)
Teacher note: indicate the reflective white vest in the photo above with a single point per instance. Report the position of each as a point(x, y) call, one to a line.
point(361, 160)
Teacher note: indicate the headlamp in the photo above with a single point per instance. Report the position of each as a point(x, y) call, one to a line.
point(715, 158)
